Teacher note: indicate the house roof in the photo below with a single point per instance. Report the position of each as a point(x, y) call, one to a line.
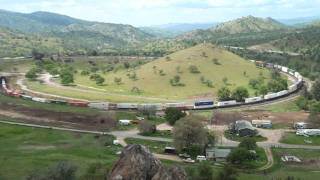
point(219, 153)
point(243, 124)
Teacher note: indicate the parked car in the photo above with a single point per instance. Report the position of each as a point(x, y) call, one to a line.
point(188, 160)
point(184, 156)
point(201, 158)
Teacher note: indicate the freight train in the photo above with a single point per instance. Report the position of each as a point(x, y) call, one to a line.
point(196, 105)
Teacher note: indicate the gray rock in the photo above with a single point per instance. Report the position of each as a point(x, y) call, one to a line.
point(136, 162)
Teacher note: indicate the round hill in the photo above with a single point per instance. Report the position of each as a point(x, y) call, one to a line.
point(195, 72)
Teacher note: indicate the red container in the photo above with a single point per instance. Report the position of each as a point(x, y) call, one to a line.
point(78, 103)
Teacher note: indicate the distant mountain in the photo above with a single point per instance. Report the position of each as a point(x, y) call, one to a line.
point(299, 21)
point(248, 24)
point(60, 26)
point(174, 29)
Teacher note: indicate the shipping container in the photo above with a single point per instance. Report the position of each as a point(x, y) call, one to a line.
point(127, 106)
point(284, 69)
point(99, 105)
point(37, 99)
point(78, 103)
point(226, 103)
point(26, 97)
point(60, 102)
point(253, 99)
point(205, 104)
point(282, 93)
point(270, 96)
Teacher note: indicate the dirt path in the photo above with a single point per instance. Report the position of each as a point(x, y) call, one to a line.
point(269, 158)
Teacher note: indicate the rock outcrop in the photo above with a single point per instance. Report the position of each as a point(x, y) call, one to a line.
point(138, 163)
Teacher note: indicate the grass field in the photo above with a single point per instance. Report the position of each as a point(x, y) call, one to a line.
point(24, 150)
point(154, 146)
point(292, 138)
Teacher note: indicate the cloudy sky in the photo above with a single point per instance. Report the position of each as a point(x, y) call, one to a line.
point(153, 12)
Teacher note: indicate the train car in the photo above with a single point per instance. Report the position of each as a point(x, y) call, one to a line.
point(293, 87)
point(41, 100)
point(60, 102)
point(270, 65)
point(282, 93)
point(253, 99)
point(291, 72)
point(204, 104)
point(270, 96)
point(127, 106)
point(226, 103)
point(181, 106)
point(26, 97)
point(78, 103)
point(99, 105)
point(156, 106)
point(284, 69)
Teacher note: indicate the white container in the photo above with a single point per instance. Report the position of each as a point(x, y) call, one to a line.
point(42, 100)
point(99, 105)
point(271, 96)
point(124, 122)
point(281, 93)
point(253, 99)
point(227, 103)
point(127, 106)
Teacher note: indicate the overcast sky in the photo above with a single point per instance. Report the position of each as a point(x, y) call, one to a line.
point(153, 12)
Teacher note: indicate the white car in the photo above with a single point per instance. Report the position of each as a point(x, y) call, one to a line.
point(188, 160)
point(201, 158)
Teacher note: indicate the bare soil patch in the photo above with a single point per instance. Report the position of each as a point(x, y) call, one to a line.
point(283, 118)
point(67, 119)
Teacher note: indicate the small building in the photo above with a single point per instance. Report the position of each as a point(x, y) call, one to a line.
point(217, 154)
point(124, 122)
point(300, 125)
point(170, 150)
point(262, 123)
point(244, 128)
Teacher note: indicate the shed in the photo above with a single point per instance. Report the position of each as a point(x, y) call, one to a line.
point(244, 128)
point(262, 123)
point(217, 154)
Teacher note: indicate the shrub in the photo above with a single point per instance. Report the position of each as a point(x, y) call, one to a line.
point(194, 69)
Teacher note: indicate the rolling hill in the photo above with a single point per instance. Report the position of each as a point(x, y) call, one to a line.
point(153, 78)
point(244, 25)
point(74, 32)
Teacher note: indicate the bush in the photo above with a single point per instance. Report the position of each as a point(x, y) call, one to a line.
point(224, 94)
point(146, 127)
point(173, 114)
point(32, 74)
point(240, 93)
point(248, 143)
point(194, 69)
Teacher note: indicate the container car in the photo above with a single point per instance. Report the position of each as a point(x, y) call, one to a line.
point(181, 106)
point(78, 103)
point(205, 104)
point(37, 99)
point(270, 96)
point(226, 103)
point(61, 102)
point(127, 106)
point(99, 105)
point(253, 99)
point(282, 93)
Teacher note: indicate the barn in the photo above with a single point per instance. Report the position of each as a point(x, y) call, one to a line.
point(244, 128)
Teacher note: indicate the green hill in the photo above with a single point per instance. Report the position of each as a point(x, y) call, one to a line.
point(153, 78)
point(248, 24)
point(75, 32)
point(243, 29)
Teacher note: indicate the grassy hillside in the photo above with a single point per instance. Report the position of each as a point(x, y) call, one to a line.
point(153, 78)
point(75, 35)
point(248, 24)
